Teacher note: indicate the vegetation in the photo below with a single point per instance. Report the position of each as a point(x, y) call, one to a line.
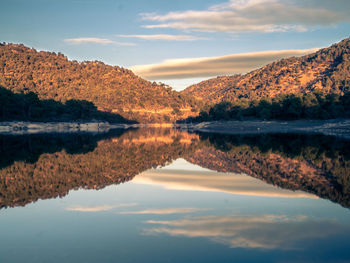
point(28, 107)
point(315, 164)
point(110, 89)
point(36, 167)
point(314, 105)
point(327, 70)
point(315, 86)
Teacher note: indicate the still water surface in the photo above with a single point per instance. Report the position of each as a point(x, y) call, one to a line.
point(158, 195)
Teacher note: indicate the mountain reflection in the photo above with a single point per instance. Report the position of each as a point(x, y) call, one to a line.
point(113, 159)
point(315, 164)
point(36, 167)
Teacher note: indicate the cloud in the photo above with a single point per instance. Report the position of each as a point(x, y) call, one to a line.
point(100, 208)
point(253, 16)
point(166, 211)
point(209, 181)
point(263, 231)
point(93, 40)
point(165, 37)
point(213, 66)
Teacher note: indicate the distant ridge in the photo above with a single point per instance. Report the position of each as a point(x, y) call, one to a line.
point(327, 70)
point(110, 88)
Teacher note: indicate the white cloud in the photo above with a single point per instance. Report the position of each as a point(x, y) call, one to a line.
point(165, 37)
point(213, 66)
point(253, 15)
point(263, 231)
point(94, 40)
point(165, 211)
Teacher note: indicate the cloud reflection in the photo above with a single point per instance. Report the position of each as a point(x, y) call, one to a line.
point(100, 208)
point(263, 231)
point(165, 211)
point(215, 182)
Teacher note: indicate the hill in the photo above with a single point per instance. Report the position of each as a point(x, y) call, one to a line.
point(327, 70)
point(110, 88)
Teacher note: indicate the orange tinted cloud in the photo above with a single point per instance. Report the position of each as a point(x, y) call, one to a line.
point(213, 66)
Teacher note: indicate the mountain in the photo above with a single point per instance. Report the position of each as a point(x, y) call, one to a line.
point(117, 90)
point(327, 70)
point(110, 88)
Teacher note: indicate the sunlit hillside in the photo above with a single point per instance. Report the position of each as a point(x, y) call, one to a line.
point(327, 71)
point(110, 88)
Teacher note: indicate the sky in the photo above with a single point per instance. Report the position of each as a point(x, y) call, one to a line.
point(178, 42)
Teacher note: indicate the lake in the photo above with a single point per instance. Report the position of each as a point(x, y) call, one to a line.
point(165, 195)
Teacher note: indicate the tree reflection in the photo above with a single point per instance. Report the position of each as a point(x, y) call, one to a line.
point(36, 167)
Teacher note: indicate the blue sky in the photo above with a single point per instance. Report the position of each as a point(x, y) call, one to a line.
point(151, 36)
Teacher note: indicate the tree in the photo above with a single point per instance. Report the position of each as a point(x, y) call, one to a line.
point(292, 107)
point(264, 110)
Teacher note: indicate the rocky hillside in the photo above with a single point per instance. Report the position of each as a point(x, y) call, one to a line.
point(327, 70)
point(110, 88)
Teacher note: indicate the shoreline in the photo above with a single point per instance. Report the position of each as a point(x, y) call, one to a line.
point(334, 127)
point(23, 127)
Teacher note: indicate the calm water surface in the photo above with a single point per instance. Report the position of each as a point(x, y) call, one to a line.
point(158, 195)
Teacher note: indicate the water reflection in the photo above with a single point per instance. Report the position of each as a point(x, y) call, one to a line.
point(189, 198)
point(231, 183)
point(263, 231)
point(99, 208)
point(46, 166)
point(315, 164)
point(43, 170)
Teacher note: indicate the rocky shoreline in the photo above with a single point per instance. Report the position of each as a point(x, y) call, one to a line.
point(335, 127)
point(20, 127)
